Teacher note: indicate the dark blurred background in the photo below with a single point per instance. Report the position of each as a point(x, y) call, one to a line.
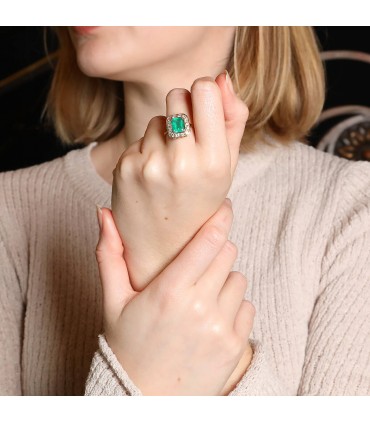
point(26, 72)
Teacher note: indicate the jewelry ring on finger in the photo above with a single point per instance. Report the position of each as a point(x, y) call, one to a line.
point(178, 125)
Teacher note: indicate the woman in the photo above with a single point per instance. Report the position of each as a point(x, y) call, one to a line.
point(181, 323)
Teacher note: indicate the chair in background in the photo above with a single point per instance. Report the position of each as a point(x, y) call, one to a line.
point(350, 138)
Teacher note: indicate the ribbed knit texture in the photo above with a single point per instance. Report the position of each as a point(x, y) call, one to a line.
point(302, 227)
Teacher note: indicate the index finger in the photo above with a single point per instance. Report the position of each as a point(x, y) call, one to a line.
point(193, 261)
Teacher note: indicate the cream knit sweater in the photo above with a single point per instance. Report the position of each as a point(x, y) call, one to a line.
point(302, 227)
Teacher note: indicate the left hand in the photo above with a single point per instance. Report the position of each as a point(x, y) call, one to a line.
point(162, 318)
point(165, 190)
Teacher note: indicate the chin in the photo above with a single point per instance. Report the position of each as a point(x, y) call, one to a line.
point(97, 59)
point(93, 64)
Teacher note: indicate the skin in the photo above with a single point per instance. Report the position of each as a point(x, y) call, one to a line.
point(197, 324)
point(151, 62)
point(163, 191)
point(149, 72)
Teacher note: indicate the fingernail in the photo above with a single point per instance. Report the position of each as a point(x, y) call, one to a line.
point(229, 82)
point(99, 214)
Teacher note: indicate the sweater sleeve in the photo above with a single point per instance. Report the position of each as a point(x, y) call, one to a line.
point(107, 376)
point(259, 378)
point(11, 318)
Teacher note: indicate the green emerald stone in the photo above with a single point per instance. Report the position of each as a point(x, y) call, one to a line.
point(178, 124)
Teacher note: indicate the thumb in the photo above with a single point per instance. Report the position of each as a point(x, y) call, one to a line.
point(236, 115)
point(114, 277)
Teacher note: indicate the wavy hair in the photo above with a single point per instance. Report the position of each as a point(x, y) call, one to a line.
point(276, 70)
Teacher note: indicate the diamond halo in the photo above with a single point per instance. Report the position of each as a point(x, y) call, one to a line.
point(170, 131)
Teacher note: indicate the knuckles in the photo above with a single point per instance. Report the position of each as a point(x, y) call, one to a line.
point(214, 236)
point(199, 309)
point(203, 317)
point(154, 169)
point(227, 343)
point(125, 166)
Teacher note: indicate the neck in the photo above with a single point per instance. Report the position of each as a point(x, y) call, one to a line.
point(145, 90)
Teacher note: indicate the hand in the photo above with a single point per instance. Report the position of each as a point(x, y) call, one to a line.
point(185, 333)
point(164, 190)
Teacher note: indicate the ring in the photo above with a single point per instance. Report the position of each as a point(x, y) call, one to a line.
point(178, 125)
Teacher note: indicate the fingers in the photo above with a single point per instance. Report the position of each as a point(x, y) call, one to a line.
point(154, 138)
point(178, 100)
point(244, 320)
point(208, 118)
point(217, 114)
point(231, 295)
point(213, 279)
point(236, 111)
point(116, 287)
point(236, 115)
point(189, 266)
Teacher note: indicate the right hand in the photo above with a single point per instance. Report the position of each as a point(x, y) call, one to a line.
point(185, 333)
point(164, 190)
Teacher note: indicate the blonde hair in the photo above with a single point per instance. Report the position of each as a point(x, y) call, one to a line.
point(276, 70)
